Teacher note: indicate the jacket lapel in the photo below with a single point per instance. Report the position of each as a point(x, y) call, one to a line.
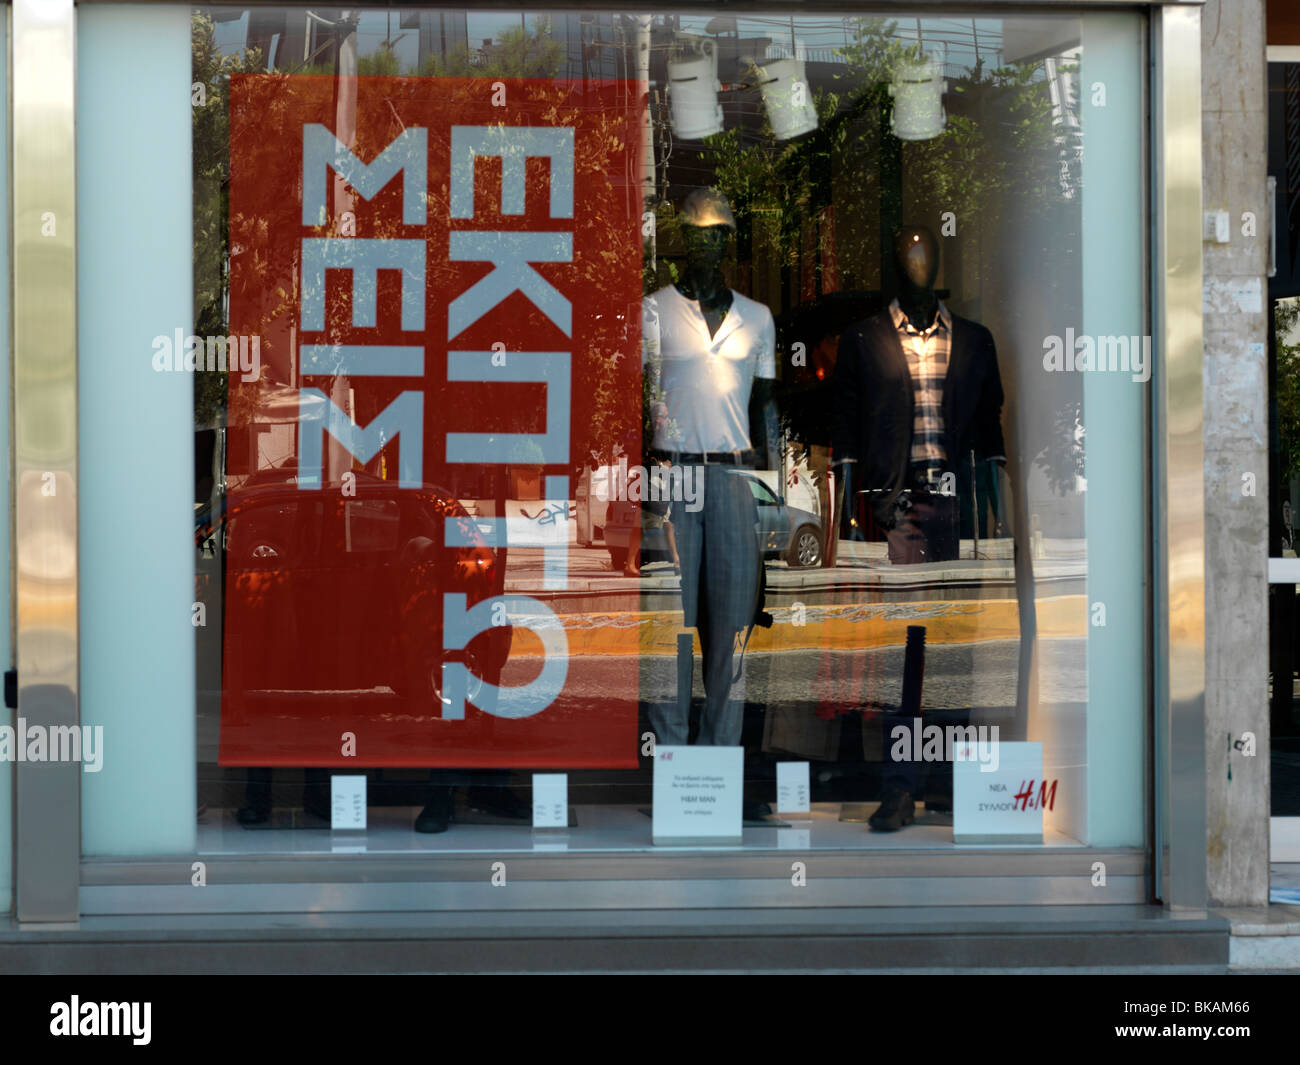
point(958, 355)
point(888, 342)
point(891, 348)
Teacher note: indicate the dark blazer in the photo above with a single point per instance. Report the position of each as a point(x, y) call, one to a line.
point(873, 399)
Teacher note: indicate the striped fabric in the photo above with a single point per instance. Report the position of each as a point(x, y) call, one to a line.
point(927, 360)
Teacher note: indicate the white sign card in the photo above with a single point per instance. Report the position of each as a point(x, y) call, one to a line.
point(794, 839)
point(697, 795)
point(347, 802)
point(550, 800)
point(999, 793)
point(792, 788)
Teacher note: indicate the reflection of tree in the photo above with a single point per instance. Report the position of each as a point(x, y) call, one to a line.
point(1004, 155)
point(1286, 317)
point(604, 373)
point(1000, 147)
point(382, 62)
point(997, 167)
point(269, 274)
point(517, 53)
point(211, 170)
point(1061, 458)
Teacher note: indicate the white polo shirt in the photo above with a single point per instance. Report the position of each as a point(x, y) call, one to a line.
point(705, 381)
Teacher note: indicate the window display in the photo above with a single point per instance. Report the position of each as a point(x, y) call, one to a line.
point(911, 474)
point(706, 349)
point(640, 381)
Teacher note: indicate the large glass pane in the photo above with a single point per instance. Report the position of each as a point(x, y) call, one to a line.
point(1284, 458)
point(136, 586)
point(568, 384)
point(1284, 722)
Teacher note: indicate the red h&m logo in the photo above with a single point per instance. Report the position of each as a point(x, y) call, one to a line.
point(1025, 799)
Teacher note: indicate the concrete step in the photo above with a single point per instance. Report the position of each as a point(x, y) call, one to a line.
point(977, 938)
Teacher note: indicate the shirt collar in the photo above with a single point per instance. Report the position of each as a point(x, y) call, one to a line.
point(731, 321)
point(903, 325)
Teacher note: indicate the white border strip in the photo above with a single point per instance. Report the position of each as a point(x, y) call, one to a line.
point(1284, 571)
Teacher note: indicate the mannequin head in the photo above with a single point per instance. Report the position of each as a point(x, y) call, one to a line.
point(916, 257)
point(707, 225)
point(706, 207)
point(706, 246)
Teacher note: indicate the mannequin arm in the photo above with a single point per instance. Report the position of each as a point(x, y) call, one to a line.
point(988, 411)
point(1001, 483)
point(764, 423)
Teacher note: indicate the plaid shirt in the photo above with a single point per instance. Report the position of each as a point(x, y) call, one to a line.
point(927, 360)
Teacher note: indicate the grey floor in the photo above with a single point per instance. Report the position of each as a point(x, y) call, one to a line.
point(1284, 883)
point(597, 829)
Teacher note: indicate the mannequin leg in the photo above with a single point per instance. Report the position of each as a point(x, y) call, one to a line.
point(728, 574)
point(720, 724)
point(670, 726)
point(671, 537)
point(906, 540)
point(926, 531)
point(668, 714)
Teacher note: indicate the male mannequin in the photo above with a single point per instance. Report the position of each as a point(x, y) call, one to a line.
point(917, 392)
point(706, 352)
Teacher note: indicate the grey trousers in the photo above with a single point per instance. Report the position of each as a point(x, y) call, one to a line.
point(718, 547)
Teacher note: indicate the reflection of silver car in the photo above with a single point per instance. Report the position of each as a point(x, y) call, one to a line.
point(783, 531)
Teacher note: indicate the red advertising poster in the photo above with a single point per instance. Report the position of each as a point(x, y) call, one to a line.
point(434, 293)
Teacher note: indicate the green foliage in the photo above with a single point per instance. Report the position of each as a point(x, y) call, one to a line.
point(1009, 155)
point(1001, 159)
point(1007, 152)
point(211, 170)
point(517, 53)
point(871, 56)
point(1286, 317)
point(382, 63)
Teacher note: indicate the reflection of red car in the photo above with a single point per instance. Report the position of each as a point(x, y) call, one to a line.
point(334, 603)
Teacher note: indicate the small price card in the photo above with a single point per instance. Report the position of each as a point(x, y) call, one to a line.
point(550, 800)
point(792, 788)
point(347, 802)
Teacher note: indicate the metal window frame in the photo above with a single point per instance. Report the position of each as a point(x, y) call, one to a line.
point(47, 795)
point(908, 7)
point(51, 876)
point(1178, 467)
